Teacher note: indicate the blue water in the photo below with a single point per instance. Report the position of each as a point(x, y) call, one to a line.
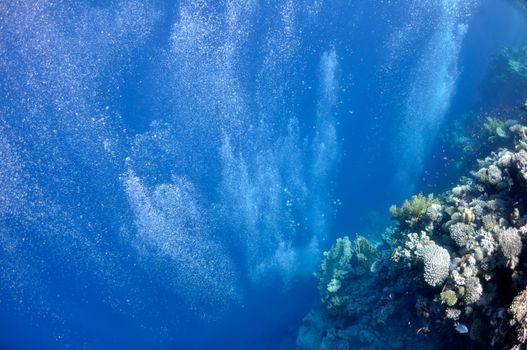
point(171, 171)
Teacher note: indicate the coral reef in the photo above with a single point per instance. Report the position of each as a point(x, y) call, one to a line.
point(436, 264)
point(451, 274)
point(418, 211)
point(506, 81)
point(495, 127)
point(510, 243)
point(475, 134)
point(345, 261)
point(518, 312)
point(334, 269)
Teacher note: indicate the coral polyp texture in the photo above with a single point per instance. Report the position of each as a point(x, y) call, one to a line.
point(452, 271)
point(436, 264)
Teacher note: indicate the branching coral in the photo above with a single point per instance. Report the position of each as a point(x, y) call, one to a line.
point(473, 290)
point(452, 313)
point(518, 311)
point(414, 244)
point(418, 211)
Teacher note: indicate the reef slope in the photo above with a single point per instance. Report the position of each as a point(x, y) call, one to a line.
point(451, 273)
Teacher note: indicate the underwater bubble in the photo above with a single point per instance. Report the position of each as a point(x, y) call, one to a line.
point(430, 91)
point(170, 224)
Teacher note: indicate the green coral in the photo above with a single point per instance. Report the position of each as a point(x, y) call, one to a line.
point(506, 80)
point(364, 255)
point(336, 263)
point(334, 268)
point(414, 211)
point(495, 127)
point(344, 260)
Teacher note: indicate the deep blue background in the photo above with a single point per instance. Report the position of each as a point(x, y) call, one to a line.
point(170, 174)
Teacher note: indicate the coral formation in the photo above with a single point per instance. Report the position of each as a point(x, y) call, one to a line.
point(436, 262)
point(334, 269)
point(418, 211)
point(506, 80)
point(510, 244)
point(344, 261)
point(503, 96)
point(473, 290)
point(495, 127)
point(464, 235)
point(453, 268)
point(448, 297)
point(518, 312)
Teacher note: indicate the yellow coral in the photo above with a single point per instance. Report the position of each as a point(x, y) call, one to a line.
point(413, 211)
point(448, 297)
point(467, 216)
point(333, 285)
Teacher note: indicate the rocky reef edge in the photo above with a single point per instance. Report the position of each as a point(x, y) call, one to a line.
point(452, 272)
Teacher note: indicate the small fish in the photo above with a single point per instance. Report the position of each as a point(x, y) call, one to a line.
point(423, 329)
point(394, 254)
point(461, 328)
